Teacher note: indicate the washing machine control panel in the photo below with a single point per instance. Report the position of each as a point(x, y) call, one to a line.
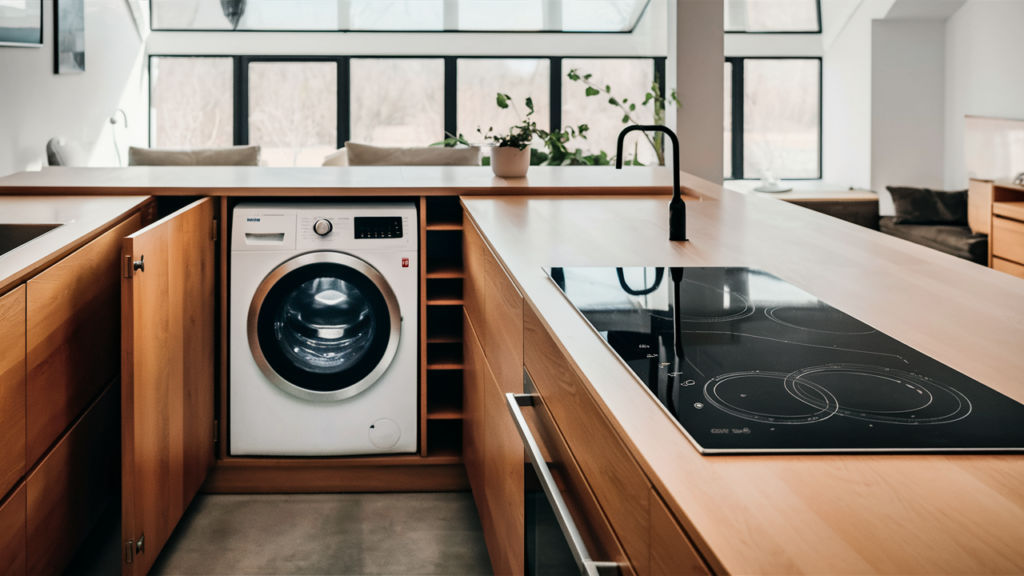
point(301, 227)
point(378, 227)
point(323, 227)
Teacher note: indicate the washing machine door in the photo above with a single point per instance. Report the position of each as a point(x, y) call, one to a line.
point(324, 326)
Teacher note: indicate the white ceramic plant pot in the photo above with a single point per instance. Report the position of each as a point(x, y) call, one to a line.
point(510, 162)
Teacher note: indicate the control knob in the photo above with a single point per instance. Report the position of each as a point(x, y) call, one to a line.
point(323, 227)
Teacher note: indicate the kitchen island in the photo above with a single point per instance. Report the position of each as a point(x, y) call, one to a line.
point(653, 499)
point(808, 514)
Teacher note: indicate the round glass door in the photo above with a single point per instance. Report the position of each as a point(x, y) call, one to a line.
point(324, 326)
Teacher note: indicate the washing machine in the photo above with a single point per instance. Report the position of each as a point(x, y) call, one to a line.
point(323, 329)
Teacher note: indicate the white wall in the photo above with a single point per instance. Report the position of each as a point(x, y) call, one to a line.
point(907, 106)
point(700, 57)
point(36, 104)
point(984, 73)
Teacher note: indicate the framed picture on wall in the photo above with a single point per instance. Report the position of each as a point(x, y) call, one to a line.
point(69, 35)
point(21, 23)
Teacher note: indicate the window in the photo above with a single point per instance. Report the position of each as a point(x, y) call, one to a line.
point(727, 109)
point(399, 15)
point(397, 101)
point(191, 102)
point(773, 16)
point(293, 111)
point(630, 79)
point(480, 80)
point(775, 123)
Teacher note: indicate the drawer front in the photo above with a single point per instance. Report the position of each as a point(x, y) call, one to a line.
point(672, 553)
point(12, 534)
point(73, 335)
point(614, 476)
point(69, 489)
point(473, 423)
point(1008, 267)
point(503, 338)
point(590, 520)
point(474, 255)
point(1008, 239)
point(12, 388)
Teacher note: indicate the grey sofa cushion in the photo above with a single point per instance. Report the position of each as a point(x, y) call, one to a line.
point(956, 240)
point(366, 155)
point(230, 156)
point(925, 206)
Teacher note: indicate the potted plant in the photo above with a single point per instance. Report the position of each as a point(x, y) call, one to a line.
point(510, 156)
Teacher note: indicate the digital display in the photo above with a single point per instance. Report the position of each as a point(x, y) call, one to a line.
point(378, 227)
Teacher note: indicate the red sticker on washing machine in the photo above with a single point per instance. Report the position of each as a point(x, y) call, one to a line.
point(405, 262)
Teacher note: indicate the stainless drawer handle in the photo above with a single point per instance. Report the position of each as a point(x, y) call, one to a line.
point(588, 566)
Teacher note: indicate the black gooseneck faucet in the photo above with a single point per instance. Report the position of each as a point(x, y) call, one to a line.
point(676, 208)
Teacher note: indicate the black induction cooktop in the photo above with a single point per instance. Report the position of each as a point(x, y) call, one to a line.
point(748, 363)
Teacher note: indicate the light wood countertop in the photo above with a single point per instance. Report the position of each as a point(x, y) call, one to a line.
point(807, 514)
point(336, 181)
point(83, 219)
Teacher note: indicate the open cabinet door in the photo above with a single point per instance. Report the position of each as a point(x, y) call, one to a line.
point(167, 375)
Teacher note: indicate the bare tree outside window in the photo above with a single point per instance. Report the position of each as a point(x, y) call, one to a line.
point(383, 111)
point(781, 111)
point(191, 102)
point(480, 80)
point(293, 111)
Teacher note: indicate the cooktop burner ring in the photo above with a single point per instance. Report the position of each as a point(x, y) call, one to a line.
point(770, 313)
point(748, 308)
point(824, 409)
point(922, 384)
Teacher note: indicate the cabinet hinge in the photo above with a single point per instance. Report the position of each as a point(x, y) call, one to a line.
point(215, 427)
point(129, 551)
point(213, 234)
point(127, 269)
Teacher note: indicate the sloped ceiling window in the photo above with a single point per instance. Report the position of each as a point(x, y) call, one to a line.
point(772, 16)
point(399, 15)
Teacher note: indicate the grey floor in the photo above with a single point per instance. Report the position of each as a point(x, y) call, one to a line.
point(424, 533)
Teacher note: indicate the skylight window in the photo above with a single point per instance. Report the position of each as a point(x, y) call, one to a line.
point(773, 16)
point(399, 15)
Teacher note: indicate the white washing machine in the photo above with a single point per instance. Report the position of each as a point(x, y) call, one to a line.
point(323, 329)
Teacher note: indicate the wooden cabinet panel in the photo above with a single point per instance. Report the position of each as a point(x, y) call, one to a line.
point(474, 293)
point(473, 418)
point(615, 477)
point(167, 368)
point(69, 489)
point(1008, 239)
point(1008, 267)
point(12, 534)
point(504, 488)
point(502, 340)
point(672, 553)
point(12, 388)
point(73, 335)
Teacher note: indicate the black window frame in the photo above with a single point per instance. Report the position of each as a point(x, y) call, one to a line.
point(737, 113)
point(240, 85)
point(818, 31)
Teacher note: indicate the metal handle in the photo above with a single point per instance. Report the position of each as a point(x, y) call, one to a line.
point(588, 566)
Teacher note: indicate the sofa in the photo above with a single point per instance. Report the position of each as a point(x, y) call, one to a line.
point(935, 219)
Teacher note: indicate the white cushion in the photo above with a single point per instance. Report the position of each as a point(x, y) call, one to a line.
point(339, 158)
point(228, 156)
point(366, 155)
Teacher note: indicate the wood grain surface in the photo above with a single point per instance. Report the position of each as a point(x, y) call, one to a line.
point(12, 533)
point(864, 514)
point(12, 388)
point(70, 488)
point(167, 368)
point(73, 335)
point(1007, 239)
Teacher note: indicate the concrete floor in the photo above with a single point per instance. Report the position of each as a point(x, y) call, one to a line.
point(428, 533)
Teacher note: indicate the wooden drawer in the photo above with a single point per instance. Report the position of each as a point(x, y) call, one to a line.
point(69, 489)
point(672, 553)
point(1008, 267)
point(12, 388)
point(616, 479)
point(583, 506)
point(12, 534)
point(1008, 239)
point(474, 423)
point(73, 335)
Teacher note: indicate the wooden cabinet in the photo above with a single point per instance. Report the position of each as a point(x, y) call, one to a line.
point(672, 553)
point(71, 486)
point(167, 376)
point(73, 335)
point(997, 209)
point(12, 533)
point(12, 388)
point(1008, 234)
